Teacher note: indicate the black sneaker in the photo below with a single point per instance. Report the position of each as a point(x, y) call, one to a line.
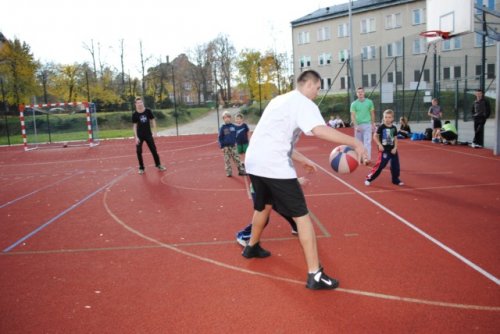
point(320, 281)
point(255, 251)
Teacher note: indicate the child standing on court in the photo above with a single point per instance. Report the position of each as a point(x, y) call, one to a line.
point(435, 112)
point(241, 134)
point(387, 142)
point(227, 142)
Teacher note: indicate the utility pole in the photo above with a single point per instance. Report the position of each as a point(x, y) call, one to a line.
point(175, 104)
point(216, 96)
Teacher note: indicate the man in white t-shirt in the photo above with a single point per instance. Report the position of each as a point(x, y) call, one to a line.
point(270, 160)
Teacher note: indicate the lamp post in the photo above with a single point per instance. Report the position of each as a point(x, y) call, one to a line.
point(216, 94)
point(175, 104)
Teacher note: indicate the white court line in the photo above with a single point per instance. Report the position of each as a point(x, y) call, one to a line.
point(64, 212)
point(176, 249)
point(416, 229)
point(109, 157)
point(38, 190)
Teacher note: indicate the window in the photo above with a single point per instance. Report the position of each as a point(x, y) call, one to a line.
point(305, 61)
point(425, 77)
point(343, 55)
point(328, 83)
point(418, 16)
point(419, 46)
point(399, 77)
point(324, 34)
point(364, 80)
point(479, 41)
point(452, 44)
point(393, 21)
point(490, 4)
point(457, 72)
point(343, 30)
point(369, 80)
point(345, 83)
point(303, 37)
point(446, 73)
point(367, 25)
point(325, 59)
point(395, 49)
point(368, 52)
point(490, 71)
point(478, 71)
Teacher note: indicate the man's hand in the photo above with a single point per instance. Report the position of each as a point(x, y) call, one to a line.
point(309, 166)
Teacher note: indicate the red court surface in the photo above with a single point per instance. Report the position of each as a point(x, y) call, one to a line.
point(90, 246)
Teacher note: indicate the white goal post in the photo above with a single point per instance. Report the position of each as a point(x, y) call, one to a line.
point(63, 124)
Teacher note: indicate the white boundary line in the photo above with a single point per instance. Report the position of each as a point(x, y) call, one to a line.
point(38, 190)
point(176, 249)
point(416, 229)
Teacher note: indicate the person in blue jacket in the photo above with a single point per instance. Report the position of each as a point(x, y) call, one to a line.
point(227, 142)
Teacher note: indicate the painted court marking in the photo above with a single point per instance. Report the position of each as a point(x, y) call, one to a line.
point(38, 190)
point(416, 229)
point(175, 248)
point(74, 206)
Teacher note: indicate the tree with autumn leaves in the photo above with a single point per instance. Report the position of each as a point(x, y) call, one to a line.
point(209, 71)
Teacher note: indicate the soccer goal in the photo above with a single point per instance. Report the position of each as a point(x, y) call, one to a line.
point(56, 125)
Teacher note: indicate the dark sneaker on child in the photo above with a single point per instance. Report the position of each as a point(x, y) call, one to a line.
point(242, 238)
point(255, 251)
point(161, 168)
point(141, 171)
point(320, 281)
point(295, 232)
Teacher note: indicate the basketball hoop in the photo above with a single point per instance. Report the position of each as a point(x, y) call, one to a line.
point(436, 33)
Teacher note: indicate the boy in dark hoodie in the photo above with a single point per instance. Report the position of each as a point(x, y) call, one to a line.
point(227, 142)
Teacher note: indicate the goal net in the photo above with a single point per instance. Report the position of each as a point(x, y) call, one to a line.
point(58, 125)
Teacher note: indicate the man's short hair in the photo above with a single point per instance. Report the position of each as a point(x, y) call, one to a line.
point(389, 112)
point(138, 99)
point(479, 90)
point(309, 75)
point(363, 88)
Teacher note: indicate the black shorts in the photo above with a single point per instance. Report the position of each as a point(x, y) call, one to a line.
point(436, 123)
point(285, 195)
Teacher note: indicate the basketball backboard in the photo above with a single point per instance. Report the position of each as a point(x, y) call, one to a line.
point(453, 16)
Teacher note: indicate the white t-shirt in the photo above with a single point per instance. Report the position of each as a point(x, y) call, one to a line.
point(274, 137)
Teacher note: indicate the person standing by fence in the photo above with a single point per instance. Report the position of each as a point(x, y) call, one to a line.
point(363, 119)
point(481, 111)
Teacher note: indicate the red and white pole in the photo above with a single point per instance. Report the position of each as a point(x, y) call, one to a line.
point(23, 127)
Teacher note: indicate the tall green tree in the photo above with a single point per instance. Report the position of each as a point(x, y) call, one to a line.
point(18, 70)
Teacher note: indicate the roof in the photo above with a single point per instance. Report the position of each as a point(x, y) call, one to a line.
point(358, 6)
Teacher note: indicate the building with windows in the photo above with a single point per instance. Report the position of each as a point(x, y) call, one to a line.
point(387, 48)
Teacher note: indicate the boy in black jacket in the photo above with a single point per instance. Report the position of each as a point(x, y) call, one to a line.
point(227, 142)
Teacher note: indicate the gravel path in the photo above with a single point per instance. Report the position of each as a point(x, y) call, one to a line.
point(205, 125)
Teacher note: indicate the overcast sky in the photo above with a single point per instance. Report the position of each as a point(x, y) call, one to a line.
point(57, 29)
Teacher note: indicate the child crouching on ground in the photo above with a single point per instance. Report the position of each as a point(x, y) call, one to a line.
point(227, 142)
point(387, 143)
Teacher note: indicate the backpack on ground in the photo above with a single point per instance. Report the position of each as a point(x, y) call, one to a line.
point(428, 134)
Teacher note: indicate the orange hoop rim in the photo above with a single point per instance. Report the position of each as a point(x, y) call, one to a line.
point(436, 33)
